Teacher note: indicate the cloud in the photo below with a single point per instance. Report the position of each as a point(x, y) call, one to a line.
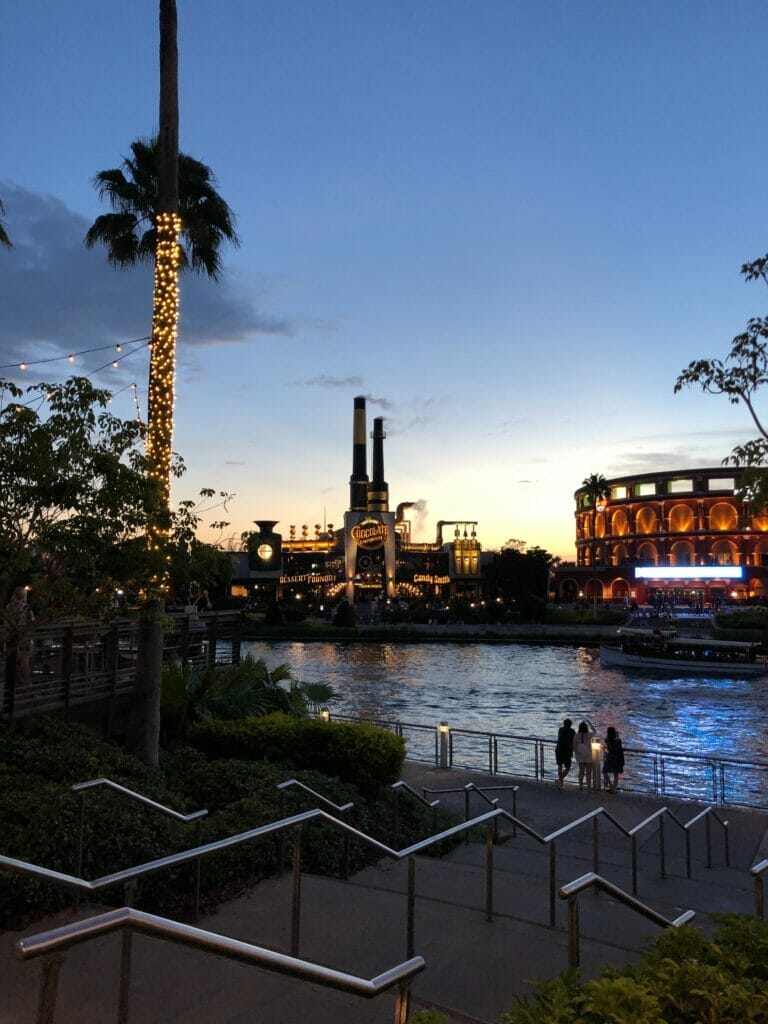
point(59, 296)
point(323, 380)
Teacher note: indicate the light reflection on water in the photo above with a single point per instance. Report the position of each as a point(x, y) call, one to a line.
point(528, 690)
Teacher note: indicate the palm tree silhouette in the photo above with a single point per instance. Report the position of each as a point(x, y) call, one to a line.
point(129, 233)
point(4, 239)
point(596, 489)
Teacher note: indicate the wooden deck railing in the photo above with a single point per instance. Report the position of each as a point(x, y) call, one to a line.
point(73, 662)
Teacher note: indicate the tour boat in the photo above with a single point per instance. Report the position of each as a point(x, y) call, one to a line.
point(663, 650)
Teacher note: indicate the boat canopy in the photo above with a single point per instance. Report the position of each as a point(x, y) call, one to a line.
point(689, 641)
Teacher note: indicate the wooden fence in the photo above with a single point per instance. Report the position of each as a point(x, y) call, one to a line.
point(59, 666)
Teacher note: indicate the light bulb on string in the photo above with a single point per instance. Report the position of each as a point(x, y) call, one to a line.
point(22, 366)
point(71, 359)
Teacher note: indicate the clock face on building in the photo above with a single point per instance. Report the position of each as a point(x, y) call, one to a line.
point(264, 551)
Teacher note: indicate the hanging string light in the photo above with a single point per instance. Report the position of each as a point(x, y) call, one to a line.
point(26, 363)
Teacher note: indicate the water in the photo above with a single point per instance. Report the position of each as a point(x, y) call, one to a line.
point(527, 690)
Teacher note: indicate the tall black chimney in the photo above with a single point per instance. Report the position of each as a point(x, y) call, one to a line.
point(378, 491)
point(358, 482)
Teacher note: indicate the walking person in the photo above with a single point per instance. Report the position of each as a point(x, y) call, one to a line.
point(613, 759)
point(582, 751)
point(564, 749)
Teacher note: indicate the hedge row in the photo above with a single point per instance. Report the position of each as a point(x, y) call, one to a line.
point(364, 755)
point(41, 758)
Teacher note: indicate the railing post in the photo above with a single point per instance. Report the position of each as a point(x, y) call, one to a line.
point(514, 813)
point(211, 629)
point(573, 933)
point(536, 760)
point(489, 871)
point(281, 839)
point(713, 769)
point(236, 640)
point(759, 897)
point(402, 1003)
point(655, 775)
point(198, 868)
point(595, 846)
point(395, 817)
point(184, 641)
point(490, 754)
point(687, 853)
point(726, 844)
point(410, 907)
point(552, 883)
point(434, 821)
point(46, 1005)
point(722, 783)
point(66, 666)
point(466, 812)
point(125, 957)
point(708, 829)
point(633, 845)
point(80, 842)
point(296, 903)
point(662, 850)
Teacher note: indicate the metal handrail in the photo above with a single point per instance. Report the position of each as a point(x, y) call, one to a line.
point(82, 789)
point(290, 783)
point(757, 871)
point(571, 891)
point(128, 877)
point(717, 765)
point(402, 786)
point(128, 920)
point(283, 788)
point(481, 792)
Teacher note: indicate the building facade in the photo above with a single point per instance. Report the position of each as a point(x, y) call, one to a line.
point(685, 535)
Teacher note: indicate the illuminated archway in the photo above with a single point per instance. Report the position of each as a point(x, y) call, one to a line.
point(593, 589)
point(619, 523)
point(681, 519)
point(620, 554)
point(619, 589)
point(723, 516)
point(724, 552)
point(683, 553)
point(647, 554)
point(647, 520)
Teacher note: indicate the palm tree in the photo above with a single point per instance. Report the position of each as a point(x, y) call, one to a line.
point(129, 233)
point(596, 489)
point(4, 239)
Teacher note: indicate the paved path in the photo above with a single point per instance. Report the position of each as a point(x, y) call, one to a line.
point(475, 969)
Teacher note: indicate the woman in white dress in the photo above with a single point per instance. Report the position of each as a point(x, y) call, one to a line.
point(582, 751)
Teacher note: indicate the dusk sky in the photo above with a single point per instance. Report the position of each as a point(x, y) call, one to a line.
point(510, 224)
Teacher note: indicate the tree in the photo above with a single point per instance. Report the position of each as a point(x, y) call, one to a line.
point(596, 490)
point(4, 239)
point(740, 376)
point(521, 578)
point(129, 234)
point(72, 483)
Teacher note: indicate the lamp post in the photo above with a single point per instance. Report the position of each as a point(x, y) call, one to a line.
point(443, 732)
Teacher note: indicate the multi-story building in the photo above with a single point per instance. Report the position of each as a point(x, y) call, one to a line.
point(682, 534)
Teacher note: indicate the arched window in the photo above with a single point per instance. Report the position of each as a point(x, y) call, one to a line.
point(723, 516)
point(619, 589)
point(646, 520)
point(647, 554)
point(681, 519)
point(620, 554)
point(683, 553)
point(724, 552)
point(619, 523)
point(594, 588)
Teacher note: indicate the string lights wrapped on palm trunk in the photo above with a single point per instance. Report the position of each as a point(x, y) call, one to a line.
point(162, 372)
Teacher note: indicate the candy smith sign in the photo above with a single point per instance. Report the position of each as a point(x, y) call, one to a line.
point(369, 534)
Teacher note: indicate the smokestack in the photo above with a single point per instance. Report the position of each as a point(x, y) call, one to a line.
point(358, 482)
point(378, 492)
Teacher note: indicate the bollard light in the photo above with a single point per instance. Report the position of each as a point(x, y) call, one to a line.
point(325, 714)
point(443, 731)
point(597, 748)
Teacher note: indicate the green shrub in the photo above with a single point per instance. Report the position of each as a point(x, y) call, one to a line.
point(361, 754)
point(683, 978)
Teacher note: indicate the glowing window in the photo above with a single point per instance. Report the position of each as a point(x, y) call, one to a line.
point(683, 486)
point(618, 492)
point(725, 483)
point(645, 490)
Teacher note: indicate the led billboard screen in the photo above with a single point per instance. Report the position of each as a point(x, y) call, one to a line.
point(689, 572)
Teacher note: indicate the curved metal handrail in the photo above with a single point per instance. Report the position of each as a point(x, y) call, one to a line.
point(126, 918)
point(571, 890)
point(290, 783)
point(402, 787)
point(82, 787)
point(757, 871)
